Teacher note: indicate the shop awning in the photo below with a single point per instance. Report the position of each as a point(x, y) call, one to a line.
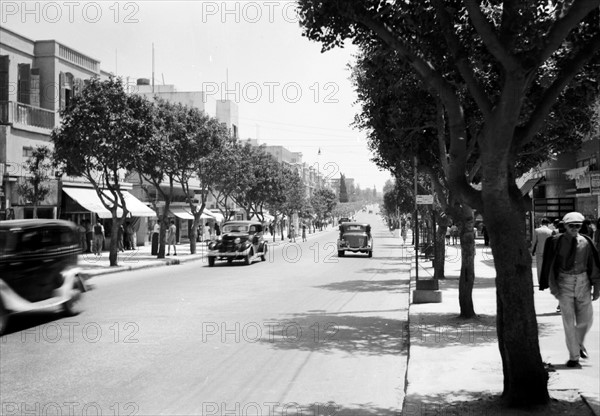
point(185, 214)
point(577, 172)
point(217, 215)
point(530, 184)
point(88, 199)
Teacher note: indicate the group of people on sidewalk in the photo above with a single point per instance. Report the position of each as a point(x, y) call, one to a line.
point(568, 264)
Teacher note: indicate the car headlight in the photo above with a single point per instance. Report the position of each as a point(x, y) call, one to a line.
point(237, 240)
point(211, 245)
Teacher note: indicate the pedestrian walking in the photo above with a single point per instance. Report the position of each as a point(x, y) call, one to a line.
point(171, 238)
point(89, 235)
point(129, 231)
point(98, 238)
point(540, 235)
point(120, 236)
point(597, 235)
point(454, 234)
point(303, 232)
point(82, 242)
point(155, 236)
point(292, 234)
point(571, 267)
point(206, 232)
point(486, 236)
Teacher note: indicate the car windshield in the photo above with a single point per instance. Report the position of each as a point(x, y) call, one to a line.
point(354, 228)
point(235, 228)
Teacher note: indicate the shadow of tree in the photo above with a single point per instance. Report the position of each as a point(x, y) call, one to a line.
point(396, 285)
point(333, 409)
point(562, 402)
point(327, 333)
point(452, 282)
point(439, 330)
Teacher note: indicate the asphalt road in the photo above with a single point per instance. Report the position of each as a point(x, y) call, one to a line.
point(301, 333)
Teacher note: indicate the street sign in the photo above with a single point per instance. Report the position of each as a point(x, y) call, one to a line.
point(424, 199)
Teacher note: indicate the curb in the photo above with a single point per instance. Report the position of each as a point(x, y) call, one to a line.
point(154, 263)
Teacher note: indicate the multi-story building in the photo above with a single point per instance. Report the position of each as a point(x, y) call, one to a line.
point(37, 80)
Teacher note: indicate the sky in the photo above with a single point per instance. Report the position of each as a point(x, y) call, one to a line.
point(252, 52)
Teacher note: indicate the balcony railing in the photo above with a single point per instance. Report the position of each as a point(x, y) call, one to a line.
point(12, 112)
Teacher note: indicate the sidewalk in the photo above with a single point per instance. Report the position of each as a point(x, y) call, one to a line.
point(141, 258)
point(455, 367)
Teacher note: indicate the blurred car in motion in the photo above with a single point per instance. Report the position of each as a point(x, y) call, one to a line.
point(38, 267)
point(241, 240)
point(355, 237)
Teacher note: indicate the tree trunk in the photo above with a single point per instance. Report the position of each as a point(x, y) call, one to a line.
point(439, 259)
point(113, 248)
point(466, 222)
point(164, 224)
point(525, 378)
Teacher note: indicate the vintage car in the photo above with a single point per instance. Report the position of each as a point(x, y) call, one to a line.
point(355, 237)
point(38, 267)
point(240, 240)
point(344, 219)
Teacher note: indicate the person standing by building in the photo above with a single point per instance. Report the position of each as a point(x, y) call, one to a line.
point(89, 235)
point(540, 235)
point(98, 238)
point(155, 235)
point(171, 238)
point(571, 267)
point(82, 241)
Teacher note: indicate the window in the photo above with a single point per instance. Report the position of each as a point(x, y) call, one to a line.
point(27, 152)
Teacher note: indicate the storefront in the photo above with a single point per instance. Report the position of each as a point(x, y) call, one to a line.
point(82, 205)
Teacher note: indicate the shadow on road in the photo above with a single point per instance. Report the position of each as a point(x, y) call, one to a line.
point(328, 333)
point(397, 285)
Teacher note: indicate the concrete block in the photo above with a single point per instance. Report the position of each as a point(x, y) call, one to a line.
point(427, 296)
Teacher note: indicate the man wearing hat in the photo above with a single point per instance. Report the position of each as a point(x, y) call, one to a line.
point(570, 268)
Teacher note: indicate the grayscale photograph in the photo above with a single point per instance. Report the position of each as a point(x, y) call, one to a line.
point(300, 208)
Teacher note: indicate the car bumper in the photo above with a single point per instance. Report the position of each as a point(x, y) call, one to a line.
point(228, 254)
point(15, 303)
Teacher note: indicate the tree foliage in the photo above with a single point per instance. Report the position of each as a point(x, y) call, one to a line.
point(100, 136)
point(34, 187)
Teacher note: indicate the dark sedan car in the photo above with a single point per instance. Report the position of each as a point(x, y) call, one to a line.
point(38, 267)
point(355, 237)
point(241, 240)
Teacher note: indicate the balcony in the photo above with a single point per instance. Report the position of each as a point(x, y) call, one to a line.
point(16, 113)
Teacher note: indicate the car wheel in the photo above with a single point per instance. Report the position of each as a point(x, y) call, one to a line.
point(371, 253)
point(340, 253)
point(248, 258)
point(263, 256)
point(229, 260)
point(211, 261)
point(73, 306)
point(3, 318)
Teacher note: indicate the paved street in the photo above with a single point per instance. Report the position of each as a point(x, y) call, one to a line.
point(303, 329)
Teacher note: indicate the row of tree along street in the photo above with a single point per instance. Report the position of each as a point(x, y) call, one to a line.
point(476, 93)
point(105, 133)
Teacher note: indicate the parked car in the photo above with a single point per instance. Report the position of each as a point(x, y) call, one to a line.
point(240, 240)
point(38, 267)
point(355, 237)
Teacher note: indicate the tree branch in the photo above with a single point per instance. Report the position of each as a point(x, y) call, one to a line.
point(566, 75)
point(461, 60)
point(561, 28)
point(489, 37)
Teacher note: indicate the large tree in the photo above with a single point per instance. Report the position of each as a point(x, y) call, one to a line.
point(101, 133)
point(498, 51)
